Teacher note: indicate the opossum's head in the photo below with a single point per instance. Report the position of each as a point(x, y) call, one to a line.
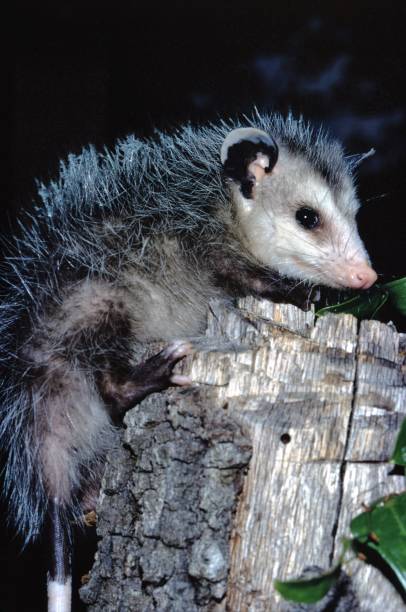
point(290, 217)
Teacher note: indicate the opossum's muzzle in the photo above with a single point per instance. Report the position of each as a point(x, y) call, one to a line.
point(359, 276)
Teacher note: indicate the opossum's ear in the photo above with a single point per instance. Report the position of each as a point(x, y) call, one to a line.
point(247, 155)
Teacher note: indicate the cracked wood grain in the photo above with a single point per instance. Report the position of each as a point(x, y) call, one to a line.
point(318, 403)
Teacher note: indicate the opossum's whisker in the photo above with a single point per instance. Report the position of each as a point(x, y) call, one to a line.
point(377, 197)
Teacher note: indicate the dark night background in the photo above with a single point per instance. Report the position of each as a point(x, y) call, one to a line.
point(92, 72)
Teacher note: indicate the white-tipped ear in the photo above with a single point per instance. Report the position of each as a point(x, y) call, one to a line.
point(240, 135)
point(247, 154)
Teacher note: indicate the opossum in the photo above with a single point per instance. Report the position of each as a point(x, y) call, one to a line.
point(127, 247)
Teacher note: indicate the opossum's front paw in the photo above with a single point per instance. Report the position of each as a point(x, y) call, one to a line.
point(290, 292)
point(303, 297)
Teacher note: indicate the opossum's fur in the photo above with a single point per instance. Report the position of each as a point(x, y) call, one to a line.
point(142, 206)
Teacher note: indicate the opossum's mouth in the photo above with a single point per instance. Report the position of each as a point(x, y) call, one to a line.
point(340, 274)
point(358, 275)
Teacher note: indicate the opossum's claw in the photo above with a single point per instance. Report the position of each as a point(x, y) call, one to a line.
point(180, 380)
point(177, 350)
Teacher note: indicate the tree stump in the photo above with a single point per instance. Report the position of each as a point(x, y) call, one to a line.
point(312, 407)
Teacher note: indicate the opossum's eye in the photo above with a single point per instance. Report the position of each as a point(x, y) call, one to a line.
point(247, 155)
point(307, 217)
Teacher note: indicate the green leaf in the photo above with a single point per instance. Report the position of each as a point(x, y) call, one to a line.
point(363, 306)
point(397, 293)
point(308, 591)
point(383, 529)
point(399, 453)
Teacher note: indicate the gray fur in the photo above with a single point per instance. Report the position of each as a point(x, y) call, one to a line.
point(118, 239)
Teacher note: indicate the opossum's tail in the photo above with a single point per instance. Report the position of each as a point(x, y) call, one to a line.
point(55, 431)
point(60, 573)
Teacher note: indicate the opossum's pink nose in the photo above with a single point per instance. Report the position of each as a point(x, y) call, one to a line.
point(360, 276)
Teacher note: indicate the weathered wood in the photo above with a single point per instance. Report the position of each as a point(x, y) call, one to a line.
point(380, 399)
point(320, 404)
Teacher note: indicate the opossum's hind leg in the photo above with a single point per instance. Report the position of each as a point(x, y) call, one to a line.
point(153, 375)
point(60, 572)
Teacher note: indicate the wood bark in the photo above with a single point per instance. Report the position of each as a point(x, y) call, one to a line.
point(313, 407)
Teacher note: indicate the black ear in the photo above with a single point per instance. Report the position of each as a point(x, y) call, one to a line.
point(247, 154)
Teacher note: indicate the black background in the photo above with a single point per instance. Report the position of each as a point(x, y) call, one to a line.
point(91, 72)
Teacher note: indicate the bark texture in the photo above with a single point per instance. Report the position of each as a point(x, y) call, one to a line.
point(317, 404)
point(165, 512)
